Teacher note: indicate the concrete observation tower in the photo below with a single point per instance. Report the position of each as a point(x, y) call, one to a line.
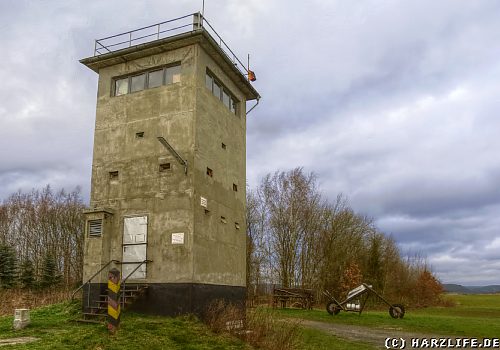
point(167, 204)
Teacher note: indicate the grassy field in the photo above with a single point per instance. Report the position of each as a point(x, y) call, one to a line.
point(474, 316)
point(54, 327)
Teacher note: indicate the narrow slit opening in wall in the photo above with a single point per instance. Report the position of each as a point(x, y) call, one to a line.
point(164, 167)
point(210, 172)
point(223, 219)
point(235, 188)
point(207, 211)
point(139, 135)
point(113, 175)
point(237, 225)
point(223, 145)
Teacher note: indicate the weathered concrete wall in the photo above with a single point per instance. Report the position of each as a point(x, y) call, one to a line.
point(141, 189)
point(196, 124)
point(219, 247)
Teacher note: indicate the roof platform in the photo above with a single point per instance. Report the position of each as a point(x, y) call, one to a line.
point(170, 35)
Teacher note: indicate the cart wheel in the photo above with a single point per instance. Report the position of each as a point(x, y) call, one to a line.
point(397, 311)
point(332, 308)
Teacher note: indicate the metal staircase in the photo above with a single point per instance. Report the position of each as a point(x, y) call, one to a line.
point(99, 310)
point(96, 310)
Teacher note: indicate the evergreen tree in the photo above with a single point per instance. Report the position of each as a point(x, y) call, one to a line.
point(27, 274)
point(8, 264)
point(374, 269)
point(50, 275)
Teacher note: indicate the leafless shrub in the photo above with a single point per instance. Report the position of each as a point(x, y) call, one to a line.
point(266, 331)
point(222, 317)
point(258, 327)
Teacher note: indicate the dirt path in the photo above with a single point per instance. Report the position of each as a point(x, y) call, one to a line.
point(374, 336)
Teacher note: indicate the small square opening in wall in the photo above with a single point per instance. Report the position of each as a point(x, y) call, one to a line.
point(223, 219)
point(164, 167)
point(235, 188)
point(203, 202)
point(223, 145)
point(139, 135)
point(113, 175)
point(210, 172)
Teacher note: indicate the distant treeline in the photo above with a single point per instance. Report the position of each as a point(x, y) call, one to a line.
point(41, 239)
point(296, 238)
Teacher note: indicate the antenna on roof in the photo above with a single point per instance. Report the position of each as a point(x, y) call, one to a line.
point(203, 9)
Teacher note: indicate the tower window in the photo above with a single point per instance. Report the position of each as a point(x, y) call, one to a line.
point(237, 225)
point(232, 107)
point(220, 91)
point(210, 172)
point(121, 87)
point(223, 145)
point(173, 74)
point(113, 175)
point(225, 98)
point(223, 219)
point(209, 81)
point(164, 167)
point(137, 83)
point(235, 188)
point(147, 80)
point(139, 135)
point(155, 78)
point(217, 89)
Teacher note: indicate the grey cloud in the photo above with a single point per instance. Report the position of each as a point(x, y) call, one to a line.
point(393, 104)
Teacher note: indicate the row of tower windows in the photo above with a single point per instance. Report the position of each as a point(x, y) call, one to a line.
point(220, 92)
point(147, 80)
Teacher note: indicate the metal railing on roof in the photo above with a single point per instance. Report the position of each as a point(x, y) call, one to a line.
point(163, 30)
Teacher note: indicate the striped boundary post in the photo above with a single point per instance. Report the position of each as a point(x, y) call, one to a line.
point(113, 300)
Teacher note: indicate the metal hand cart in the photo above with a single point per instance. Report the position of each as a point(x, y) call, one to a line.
point(356, 301)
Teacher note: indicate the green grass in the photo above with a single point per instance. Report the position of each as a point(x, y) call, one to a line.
point(56, 330)
point(473, 316)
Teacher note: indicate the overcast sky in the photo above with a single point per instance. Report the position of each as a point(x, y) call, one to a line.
point(395, 104)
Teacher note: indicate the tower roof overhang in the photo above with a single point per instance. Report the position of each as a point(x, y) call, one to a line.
point(199, 36)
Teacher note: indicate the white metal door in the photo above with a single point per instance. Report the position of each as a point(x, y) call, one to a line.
point(135, 235)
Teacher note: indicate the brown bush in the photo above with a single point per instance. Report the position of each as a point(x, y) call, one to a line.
point(428, 290)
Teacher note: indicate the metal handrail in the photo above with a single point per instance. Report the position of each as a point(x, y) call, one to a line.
point(124, 281)
point(121, 40)
point(235, 58)
point(134, 270)
point(94, 275)
point(130, 33)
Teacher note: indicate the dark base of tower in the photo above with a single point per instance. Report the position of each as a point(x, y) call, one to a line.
point(173, 299)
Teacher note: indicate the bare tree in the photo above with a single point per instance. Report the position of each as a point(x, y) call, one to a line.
point(42, 223)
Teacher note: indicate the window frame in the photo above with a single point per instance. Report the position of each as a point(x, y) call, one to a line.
point(146, 74)
point(233, 102)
